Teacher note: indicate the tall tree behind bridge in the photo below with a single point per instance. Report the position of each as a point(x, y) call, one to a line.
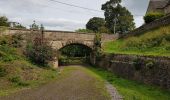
point(95, 24)
point(118, 18)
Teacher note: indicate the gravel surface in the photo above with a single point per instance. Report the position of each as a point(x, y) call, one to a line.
point(74, 85)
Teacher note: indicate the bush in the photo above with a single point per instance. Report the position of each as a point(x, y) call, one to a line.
point(7, 53)
point(152, 16)
point(4, 40)
point(17, 80)
point(40, 51)
point(17, 40)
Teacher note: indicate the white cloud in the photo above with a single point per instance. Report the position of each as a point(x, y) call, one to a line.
point(61, 17)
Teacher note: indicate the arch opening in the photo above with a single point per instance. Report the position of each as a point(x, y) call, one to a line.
point(74, 54)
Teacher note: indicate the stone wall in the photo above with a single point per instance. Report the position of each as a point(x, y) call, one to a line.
point(146, 27)
point(146, 69)
point(109, 37)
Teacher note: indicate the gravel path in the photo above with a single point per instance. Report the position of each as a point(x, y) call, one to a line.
point(77, 84)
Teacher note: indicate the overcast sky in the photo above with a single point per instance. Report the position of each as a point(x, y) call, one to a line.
point(55, 16)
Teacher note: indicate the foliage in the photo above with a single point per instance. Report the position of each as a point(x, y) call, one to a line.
point(14, 40)
point(103, 29)
point(84, 31)
point(18, 81)
point(154, 42)
point(95, 24)
point(153, 16)
point(34, 26)
point(7, 54)
point(76, 50)
point(65, 60)
point(16, 70)
point(115, 13)
point(97, 44)
point(132, 90)
point(4, 21)
point(9, 46)
point(40, 51)
point(74, 54)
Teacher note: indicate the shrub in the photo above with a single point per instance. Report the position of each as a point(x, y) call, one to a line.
point(17, 40)
point(8, 58)
point(152, 16)
point(17, 80)
point(40, 51)
point(4, 40)
point(7, 53)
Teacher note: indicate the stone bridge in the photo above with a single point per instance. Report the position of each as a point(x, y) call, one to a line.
point(60, 39)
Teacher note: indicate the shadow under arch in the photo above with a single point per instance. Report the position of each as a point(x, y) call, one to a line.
point(78, 44)
point(74, 51)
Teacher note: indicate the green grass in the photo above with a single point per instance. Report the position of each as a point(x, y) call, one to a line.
point(154, 42)
point(21, 74)
point(17, 72)
point(131, 90)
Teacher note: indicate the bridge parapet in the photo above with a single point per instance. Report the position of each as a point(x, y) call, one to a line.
point(63, 38)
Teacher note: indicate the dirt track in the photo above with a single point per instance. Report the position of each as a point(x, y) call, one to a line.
point(74, 84)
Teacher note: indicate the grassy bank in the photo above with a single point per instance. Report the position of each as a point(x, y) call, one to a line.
point(132, 90)
point(16, 71)
point(154, 42)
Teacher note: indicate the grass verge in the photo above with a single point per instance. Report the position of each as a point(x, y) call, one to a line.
point(132, 90)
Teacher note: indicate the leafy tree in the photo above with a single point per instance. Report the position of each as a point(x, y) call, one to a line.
point(115, 13)
point(152, 16)
point(4, 21)
point(34, 26)
point(103, 29)
point(95, 24)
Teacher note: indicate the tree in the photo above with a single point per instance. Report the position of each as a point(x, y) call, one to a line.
point(95, 24)
point(118, 18)
point(34, 26)
point(4, 21)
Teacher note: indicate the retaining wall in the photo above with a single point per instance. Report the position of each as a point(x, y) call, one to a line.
point(146, 69)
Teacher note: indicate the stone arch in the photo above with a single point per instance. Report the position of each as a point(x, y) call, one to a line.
point(60, 44)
